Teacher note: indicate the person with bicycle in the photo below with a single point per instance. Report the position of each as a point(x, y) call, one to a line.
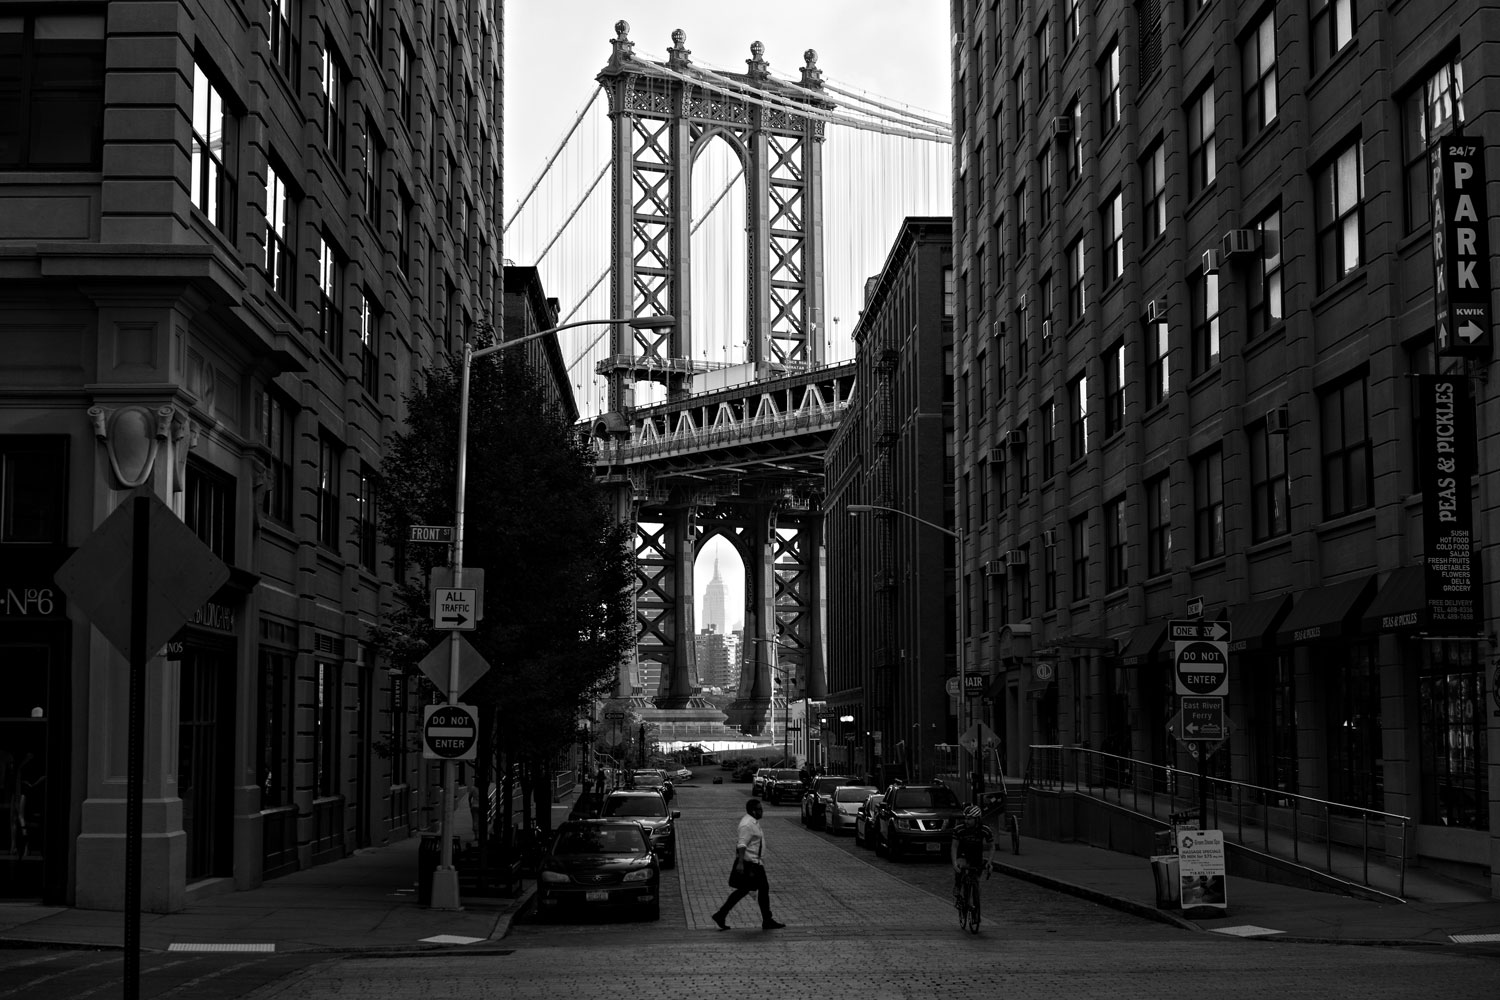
point(967, 848)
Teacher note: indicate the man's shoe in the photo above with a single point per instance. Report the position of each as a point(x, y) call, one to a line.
point(719, 919)
point(772, 925)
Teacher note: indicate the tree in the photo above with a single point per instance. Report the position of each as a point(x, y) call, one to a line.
point(558, 564)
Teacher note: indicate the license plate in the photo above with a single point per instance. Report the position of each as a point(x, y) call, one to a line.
point(597, 896)
point(934, 848)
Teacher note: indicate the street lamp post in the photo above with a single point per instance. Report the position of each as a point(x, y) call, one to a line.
point(445, 879)
point(786, 697)
point(956, 533)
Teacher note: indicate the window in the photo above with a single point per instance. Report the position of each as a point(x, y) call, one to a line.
point(1154, 186)
point(1049, 577)
point(1264, 295)
point(1114, 389)
point(1340, 215)
point(1258, 75)
point(1203, 295)
point(330, 455)
point(375, 24)
point(1023, 466)
point(1149, 33)
point(208, 507)
point(33, 488)
point(1202, 162)
point(1078, 548)
point(1078, 418)
point(1070, 23)
point(1348, 477)
point(1023, 584)
point(1208, 504)
point(1270, 504)
point(1049, 420)
point(366, 517)
point(404, 234)
point(1428, 111)
point(369, 342)
point(1115, 575)
point(1076, 300)
point(1109, 89)
point(1073, 160)
point(275, 721)
point(1158, 373)
point(1019, 83)
point(276, 436)
point(335, 84)
point(1112, 236)
point(1044, 184)
point(1332, 29)
point(1158, 526)
point(1355, 754)
point(51, 91)
point(282, 18)
point(374, 173)
point(1047, 292)
point(1044, 56)
point(1275, 695)
point(1453, 741)
point(325, 729)
point(211, 185)
point(330, 295)
point(949, 292)
point(278, 228)
point(1023, 216)
point(404, 77)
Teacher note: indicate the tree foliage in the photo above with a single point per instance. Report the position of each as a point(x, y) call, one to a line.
point(558, 616)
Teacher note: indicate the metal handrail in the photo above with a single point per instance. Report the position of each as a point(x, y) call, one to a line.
point(1048, 767)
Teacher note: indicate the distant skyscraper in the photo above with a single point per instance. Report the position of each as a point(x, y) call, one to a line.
point(715, 615)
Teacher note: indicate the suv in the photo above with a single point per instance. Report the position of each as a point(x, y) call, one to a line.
point(649, 809)
point(916, 819)
point(783, 783)
point(818, 797)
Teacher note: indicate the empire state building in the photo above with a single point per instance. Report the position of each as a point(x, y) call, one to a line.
point(715, 615)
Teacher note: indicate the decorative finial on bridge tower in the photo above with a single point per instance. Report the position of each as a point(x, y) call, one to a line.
point(811, 75)
point(623, 46)
point(677, 55)
point(759, 68)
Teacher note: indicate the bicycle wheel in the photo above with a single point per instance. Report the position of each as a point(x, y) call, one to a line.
point(971, 900)
point(961, 902)
point(1015, 835)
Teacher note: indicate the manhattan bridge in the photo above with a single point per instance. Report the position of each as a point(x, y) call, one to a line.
point(710, 191)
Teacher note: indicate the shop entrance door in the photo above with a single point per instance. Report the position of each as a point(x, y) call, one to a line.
point(27, 835)
point(205, 729)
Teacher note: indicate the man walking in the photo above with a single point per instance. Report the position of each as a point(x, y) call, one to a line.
point(750, 852)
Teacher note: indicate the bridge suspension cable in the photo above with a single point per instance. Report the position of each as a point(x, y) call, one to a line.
point(552, 159)
point(573, 214)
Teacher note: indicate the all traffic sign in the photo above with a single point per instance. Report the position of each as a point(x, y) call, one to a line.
point(449, 732)
point(453, 607)
point(1202, 667)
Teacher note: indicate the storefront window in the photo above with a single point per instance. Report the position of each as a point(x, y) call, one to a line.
point(1276, 695)
point(1454, 751)
point(274, 740)
point(1355, 759)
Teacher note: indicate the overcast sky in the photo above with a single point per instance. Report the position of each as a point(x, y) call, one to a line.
point(897, 50)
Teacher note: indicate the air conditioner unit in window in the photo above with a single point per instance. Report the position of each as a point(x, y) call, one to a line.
point(1021, 301)
point(1156, 311)
point(997, 328)
point(1046, 328)
point(994, 567)
point(1239, 241)
point(1212, 260)
point(1277, 420)
point(1016, 439)
point(1049, 537)
point(997, 454)
point(1062, 127)
point(1015, 557)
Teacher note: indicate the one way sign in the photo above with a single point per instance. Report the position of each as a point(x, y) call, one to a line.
point(453, 608)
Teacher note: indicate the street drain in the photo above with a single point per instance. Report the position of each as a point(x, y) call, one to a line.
point(212, 946)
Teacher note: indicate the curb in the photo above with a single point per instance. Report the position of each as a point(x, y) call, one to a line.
point(1095, 896)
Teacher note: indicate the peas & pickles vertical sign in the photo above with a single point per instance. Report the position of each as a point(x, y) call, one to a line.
point(1448, 456)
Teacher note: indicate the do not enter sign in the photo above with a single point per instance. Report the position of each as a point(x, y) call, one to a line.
point(1202, 667)
point(449, 732)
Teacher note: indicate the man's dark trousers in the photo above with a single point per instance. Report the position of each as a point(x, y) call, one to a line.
point(762, 888)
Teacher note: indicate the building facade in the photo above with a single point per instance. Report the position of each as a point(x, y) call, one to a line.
point(1195, 281)
point(230, 234)
point(891, 632)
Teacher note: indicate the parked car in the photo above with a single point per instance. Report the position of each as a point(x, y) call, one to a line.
point(784, 785)
point(843, 805)
point(649, 809)
point(916, 819)
point(599, 865)
point(817, 796)
point(652, 778)
point(864, 820)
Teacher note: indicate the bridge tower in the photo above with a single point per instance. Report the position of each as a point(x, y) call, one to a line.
point(663, 115)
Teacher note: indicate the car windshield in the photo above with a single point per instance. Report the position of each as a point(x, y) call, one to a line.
point(829, 784)
point(648, 776)
point(599, 840)
point(923, 798)
point(635, 805)
point(852, 793)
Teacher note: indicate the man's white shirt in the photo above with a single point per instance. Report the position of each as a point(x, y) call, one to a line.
point(751, 838)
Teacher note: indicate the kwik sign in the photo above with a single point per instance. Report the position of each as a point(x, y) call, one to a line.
point(1460, 248)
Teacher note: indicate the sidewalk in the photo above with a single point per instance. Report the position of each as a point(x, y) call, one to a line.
point(368, 903)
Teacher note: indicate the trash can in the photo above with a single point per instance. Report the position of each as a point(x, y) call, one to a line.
point(429, 856)
point(1164, 870)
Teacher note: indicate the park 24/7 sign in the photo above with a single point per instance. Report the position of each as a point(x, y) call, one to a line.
point(1460, 248)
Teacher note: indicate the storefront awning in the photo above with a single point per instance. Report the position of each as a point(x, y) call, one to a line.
point(1327, 612)
point(1401, 604)
point(1253, 626)
point(1144, 642)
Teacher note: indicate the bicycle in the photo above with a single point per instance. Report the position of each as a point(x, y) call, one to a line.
point(966, 897)
point(1013, 825)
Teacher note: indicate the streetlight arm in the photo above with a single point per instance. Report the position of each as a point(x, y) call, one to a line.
point(861, 508)
point(639, 322)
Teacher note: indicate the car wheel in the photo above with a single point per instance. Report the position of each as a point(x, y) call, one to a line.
point(859, 841)
point(655, 912)
point(881, 847)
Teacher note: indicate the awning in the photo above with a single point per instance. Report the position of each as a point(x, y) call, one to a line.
point(1253, 626)
point(1144, 642)
point(1401, 604)
point(1327, 612)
